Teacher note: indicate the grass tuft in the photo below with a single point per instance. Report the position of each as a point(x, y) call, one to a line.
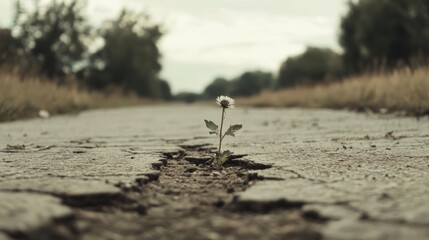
point(402, 90)
point(24, 98)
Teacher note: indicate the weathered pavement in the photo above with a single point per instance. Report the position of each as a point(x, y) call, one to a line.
point(367, 174)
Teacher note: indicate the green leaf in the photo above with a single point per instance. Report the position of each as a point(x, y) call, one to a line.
point(224, 157)
point(212, 126)
point(232, 129)
point(219, 160)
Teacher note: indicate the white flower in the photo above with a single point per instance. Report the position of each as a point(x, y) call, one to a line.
point(225, 102)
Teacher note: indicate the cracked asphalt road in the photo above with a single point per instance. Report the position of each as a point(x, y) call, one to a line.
point(367, 174)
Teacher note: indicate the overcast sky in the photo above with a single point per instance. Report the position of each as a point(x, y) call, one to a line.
point(209, 38)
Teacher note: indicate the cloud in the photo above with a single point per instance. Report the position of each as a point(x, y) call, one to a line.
point(249, 38)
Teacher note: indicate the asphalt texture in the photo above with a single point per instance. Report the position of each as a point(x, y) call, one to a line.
point(364, 176)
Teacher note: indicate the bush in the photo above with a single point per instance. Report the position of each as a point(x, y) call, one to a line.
point(247, 84)
point(220, 86)
point(188, 97)
point(315, 65)
point(251, 83)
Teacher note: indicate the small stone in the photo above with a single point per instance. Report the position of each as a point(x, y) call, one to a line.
point(44, 114)
point(140, 209)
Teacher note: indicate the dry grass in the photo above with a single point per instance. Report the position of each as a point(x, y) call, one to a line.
point(25, 98)
point(402, 90)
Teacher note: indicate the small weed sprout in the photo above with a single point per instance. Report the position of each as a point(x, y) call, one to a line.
point(221, 157)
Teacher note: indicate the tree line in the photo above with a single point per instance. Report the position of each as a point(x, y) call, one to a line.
point(56, 40)
point(374, 35)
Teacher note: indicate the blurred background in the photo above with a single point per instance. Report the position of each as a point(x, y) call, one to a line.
point(64, 56)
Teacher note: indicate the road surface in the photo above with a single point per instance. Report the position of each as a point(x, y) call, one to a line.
point(366, 176)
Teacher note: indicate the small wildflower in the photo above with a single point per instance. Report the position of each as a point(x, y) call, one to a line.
point(224, 102)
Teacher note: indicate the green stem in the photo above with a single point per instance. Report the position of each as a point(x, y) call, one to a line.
point(220, 134)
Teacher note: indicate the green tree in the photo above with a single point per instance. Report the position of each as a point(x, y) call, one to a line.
point(51, 37)
point(7, 47)
point(247, 84)
point(384, 33)
point(165, 90)
point(220, 86)
point(313, 66)
point(129, 57)
point(188, 97)
point(251, 83)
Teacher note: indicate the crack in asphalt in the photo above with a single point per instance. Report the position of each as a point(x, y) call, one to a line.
point(139, 197)
point(123, 203)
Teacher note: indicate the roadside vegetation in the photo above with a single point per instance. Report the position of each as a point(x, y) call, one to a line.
point(25, 98)
point(383, 65)
point(399, 91)
point(53, 59)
